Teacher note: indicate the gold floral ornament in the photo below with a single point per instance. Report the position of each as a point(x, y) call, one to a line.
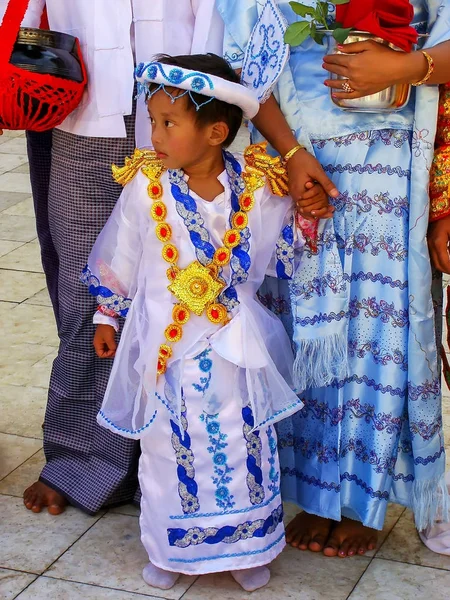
point(262, 168)
point(140, 159)
point(196, 288)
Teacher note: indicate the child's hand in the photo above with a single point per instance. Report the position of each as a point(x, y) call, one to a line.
point(314, 203)
point(105, 341)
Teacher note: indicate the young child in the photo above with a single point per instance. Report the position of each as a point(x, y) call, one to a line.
point(203, 370)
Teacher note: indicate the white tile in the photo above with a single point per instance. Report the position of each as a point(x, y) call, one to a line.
point(42, 298)
point(15, 145)
point(14, 451)
point(25, 208)
point(13, 582)
point(11, 133)
point(45, 588)
point(18, 480)
point(17, 229)
point(15, 182)
point(32, 542)
point(386, 580)
point(295, 574)
point(8, 199)
point(17, 286)
point(111, 551)
point(9, 162)
point(18, 401)
point(8, 246)
point(403, 544)
point(126, 509)
point(29, 324)
point(25, 258)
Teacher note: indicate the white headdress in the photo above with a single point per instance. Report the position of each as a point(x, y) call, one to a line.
point(196, 82)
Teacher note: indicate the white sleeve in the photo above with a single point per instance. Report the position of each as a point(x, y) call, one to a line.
point(101, 319)
point(32, 16)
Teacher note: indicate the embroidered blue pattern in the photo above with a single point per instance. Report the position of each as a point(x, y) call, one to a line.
point(221, 478)
point(187, 486)
point(274, 475)
point(362, 243)
point(233, 555)
point(105, 296)
point(254, 447)
point(388, 137)
point(370, 169)
point(132, 431)
point(266, 52)
point(183, 538)
point(424, 392)
point(205, 365)
point(285, 252)
point(278, 305)
point(379, 355)
point(381, 202)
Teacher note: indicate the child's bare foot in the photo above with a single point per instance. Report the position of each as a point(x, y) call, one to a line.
point(252, 579)
point(39, 495)
point(158, 578)
point(308, 532)
point(349, 538)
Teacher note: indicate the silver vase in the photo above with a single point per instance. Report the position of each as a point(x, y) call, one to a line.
point(392, 99)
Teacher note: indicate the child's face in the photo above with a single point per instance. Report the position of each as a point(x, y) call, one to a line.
point(178, 139)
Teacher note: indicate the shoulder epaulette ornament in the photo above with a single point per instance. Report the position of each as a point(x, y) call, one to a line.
point(141, 159)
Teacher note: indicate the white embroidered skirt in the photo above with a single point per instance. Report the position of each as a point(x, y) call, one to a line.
point(210, 488)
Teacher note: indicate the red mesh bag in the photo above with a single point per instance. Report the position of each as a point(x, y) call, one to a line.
point(29, 100)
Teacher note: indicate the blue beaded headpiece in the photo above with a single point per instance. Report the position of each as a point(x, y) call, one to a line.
point(195, 82)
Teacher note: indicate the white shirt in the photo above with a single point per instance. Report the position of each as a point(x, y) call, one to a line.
point(114, 36)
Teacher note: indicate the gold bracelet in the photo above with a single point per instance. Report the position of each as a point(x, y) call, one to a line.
point(291, 153)
point(430, 71)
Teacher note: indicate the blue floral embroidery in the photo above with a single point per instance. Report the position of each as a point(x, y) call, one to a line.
point(221, 478)
point(266, 52)
point(362, 243)
point(183, 538)
point(379, 356)
point(398, 206)
point(274, 475)
point(424, 392)
point(105, 296)
point(368, 168)
point(388, 137)
point(318, 286)
point(205, 365)
point(379, 387)
point(254, 447)
point(187, 486)
point(382, 310)
point(285, 252)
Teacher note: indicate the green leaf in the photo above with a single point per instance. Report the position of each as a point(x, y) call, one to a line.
point(302, 9)
point(338, 2)
point(340, 35)
point(297, 33)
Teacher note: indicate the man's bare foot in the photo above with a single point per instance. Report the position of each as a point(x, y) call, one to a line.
point(39, 495)
point(308, 532)
point(349, 538)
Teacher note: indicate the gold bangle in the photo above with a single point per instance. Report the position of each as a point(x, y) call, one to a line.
point(430, 71)
point(291, 153)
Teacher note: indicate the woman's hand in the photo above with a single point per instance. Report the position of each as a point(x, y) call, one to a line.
point(438, 244)
point(105, 341)
point(371, 67)
point(309, 186)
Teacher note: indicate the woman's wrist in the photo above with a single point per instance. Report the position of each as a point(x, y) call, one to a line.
point(414, 67)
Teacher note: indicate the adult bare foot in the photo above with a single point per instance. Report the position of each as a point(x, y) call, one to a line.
point(349, 538)
point(39, 495)
point(308, 532)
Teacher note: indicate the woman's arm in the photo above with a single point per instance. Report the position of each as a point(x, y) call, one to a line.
point(371, 67)
point(303, 168)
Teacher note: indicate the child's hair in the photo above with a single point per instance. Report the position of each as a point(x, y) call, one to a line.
point(216, 110)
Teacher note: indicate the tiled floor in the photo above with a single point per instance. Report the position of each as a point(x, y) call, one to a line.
point(76, 557)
